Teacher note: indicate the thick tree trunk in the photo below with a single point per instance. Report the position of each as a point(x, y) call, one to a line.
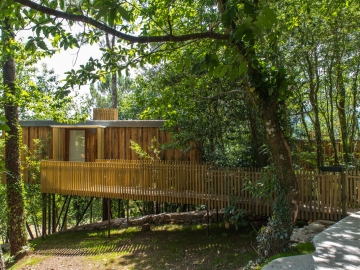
point(279, 148)
point(15, 203)
point(275, 237)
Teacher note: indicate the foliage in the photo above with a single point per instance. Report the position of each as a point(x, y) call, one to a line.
point(234, 214)
point(276, 235)
point(206, 117)
point(153, 153)
point(3, 213)
point(265, 187)
point(31, 179)
point(101, 96)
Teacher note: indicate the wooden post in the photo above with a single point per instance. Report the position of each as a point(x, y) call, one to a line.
point(49, 214)
point(109, 217)
point(29, 231)
point(62, 209)
point(65, 215)
point(119, 209)
point(91, 213)
point(84, 212)
point(127, 213)
point(53, 214)
point(43, 227)
point(343, 192)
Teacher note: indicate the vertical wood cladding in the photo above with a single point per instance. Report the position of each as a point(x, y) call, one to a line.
point(117, 143)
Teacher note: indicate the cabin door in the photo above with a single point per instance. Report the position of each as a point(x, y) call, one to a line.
point(76, 145)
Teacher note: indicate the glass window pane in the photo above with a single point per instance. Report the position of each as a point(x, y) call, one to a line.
point(77, 145)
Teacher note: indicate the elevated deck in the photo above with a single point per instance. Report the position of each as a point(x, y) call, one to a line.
point(179, 182)
point(188, 183)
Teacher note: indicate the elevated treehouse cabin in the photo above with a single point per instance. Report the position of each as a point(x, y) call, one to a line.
point(94, 159)
point(105, 137)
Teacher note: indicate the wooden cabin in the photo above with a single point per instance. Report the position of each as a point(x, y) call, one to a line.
point(105, 137)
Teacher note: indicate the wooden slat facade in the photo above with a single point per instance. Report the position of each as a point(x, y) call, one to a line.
point(189, 183)
point(117, 144)
point(112, 142)
point(105, 114)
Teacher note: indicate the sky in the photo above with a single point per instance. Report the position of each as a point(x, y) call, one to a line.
point(66, 60)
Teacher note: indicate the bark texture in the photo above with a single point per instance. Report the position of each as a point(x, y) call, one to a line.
point(275, 237)
point(16, 225)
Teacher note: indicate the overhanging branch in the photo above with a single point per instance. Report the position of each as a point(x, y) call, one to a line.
point(116, 33)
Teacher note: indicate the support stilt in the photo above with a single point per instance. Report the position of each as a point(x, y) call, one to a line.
point(65, 215)
point(53, 214)
point(109, 217)
point(49, 213)
point(119, 209)
point(43, 227)
point(29, 231)
point(62, 209)
point(127, 213)
point(84, 212)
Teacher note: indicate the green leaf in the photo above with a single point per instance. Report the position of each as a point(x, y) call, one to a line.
point(264, 22)
point(270, 14)
point(101, 14)
point(41, 44)
point(249, 8)
point(228, 16)
point(249, 35)
point(112, 16)
point(54, 4)
point(222, 71)
point(29, 45)
point(3, 125)
point(124, 13)
point(241, 29)
point(62, 5)
point(242, 68)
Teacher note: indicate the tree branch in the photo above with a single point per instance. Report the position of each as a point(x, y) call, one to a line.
point(107, 29)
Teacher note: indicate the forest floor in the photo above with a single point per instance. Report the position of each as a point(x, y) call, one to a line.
point(164, 247)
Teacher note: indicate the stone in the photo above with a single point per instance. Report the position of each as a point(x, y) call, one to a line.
point(307, 233)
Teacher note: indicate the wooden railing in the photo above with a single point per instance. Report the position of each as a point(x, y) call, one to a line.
point(185, 183)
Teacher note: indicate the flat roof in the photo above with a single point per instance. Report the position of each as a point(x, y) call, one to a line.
point(94, 123)
point(77, 126)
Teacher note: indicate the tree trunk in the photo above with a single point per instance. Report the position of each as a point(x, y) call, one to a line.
point(114, 90)
point(314, 88)
point(330, 120)
point(342, 114)
point(257, 139)
point(275, 237)
point(15, 203)
point(110, 45)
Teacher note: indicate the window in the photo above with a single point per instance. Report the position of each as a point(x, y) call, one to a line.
point(77, 145)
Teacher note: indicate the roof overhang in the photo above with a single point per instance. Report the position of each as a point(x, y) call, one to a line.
point(94, 123)
point(77, 126)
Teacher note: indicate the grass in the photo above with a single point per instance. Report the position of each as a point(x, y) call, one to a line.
point(164, 247)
